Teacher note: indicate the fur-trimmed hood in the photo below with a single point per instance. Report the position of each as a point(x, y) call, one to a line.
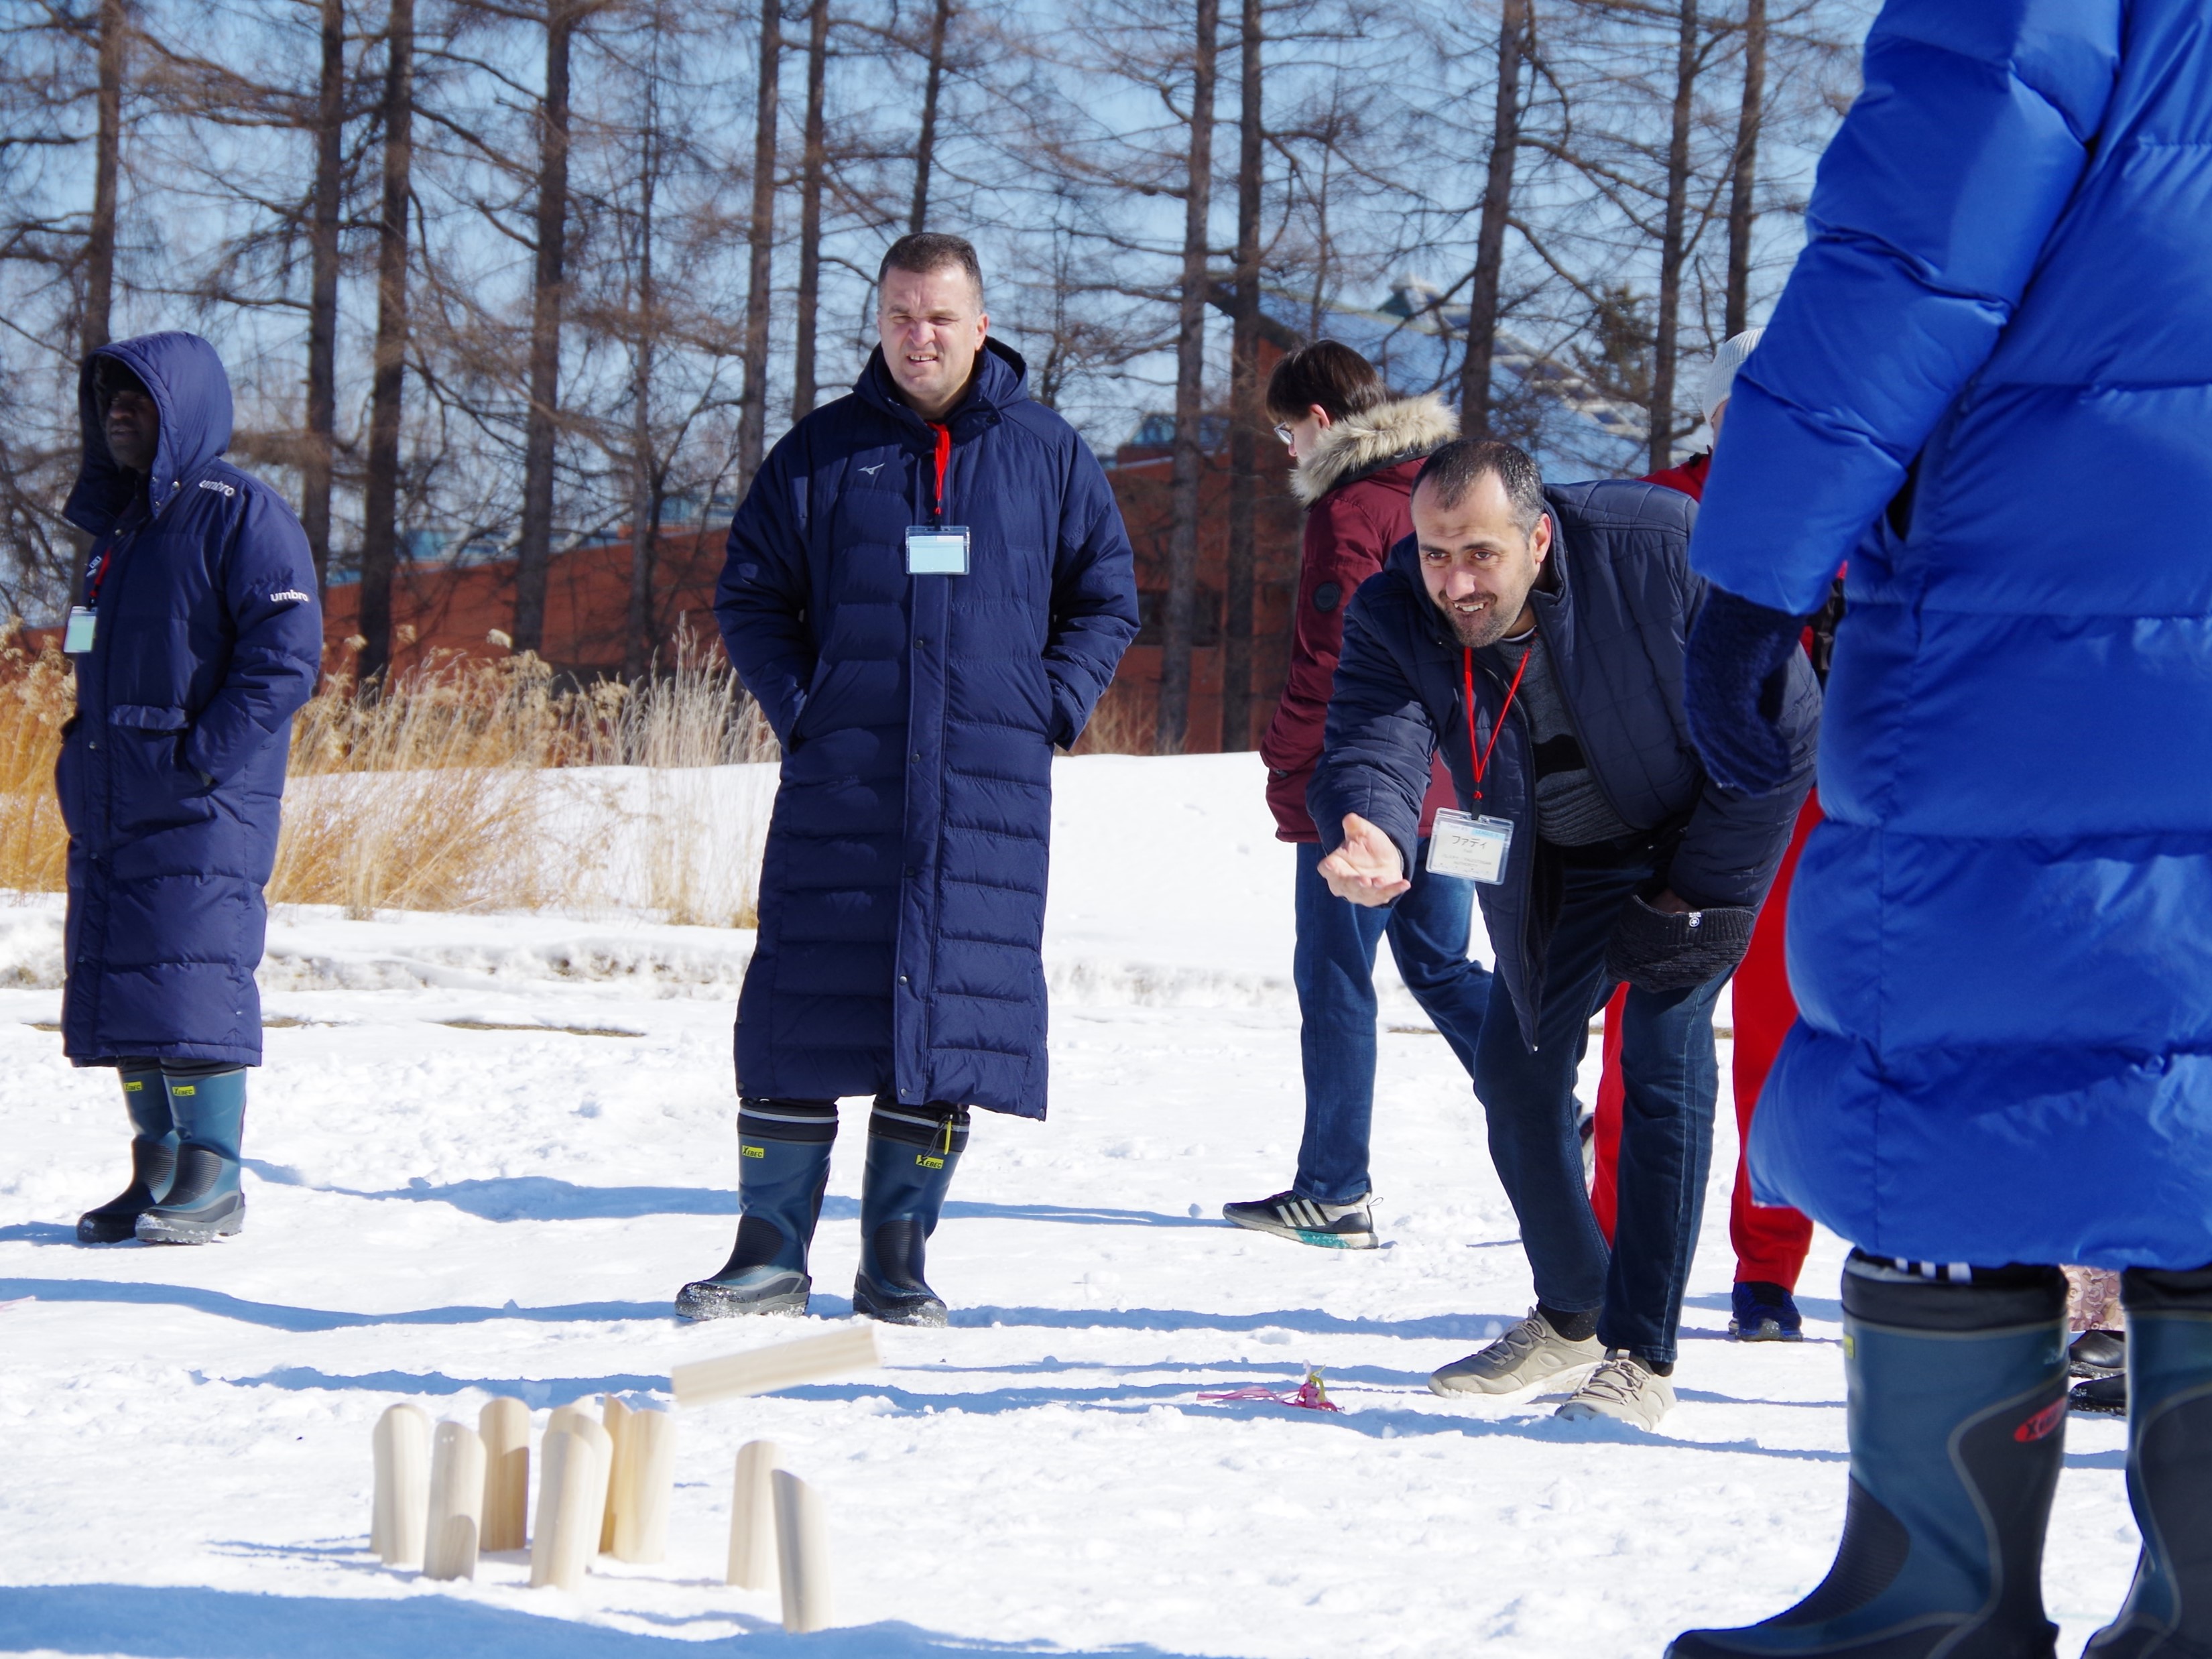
point(1404, 428)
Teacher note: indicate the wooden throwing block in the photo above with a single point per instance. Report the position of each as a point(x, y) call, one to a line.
point(457, 1486)
point(647, 1462)
point(802, 1548)
point(572, 1498)
point(752, 1516)
point(503, 1425)
point(614, 1418)
point(402, 1446)
point(787, 1364)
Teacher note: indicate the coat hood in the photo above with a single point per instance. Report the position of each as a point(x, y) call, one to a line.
point(191, 393)
point(1001, 379)
point(1402, 430)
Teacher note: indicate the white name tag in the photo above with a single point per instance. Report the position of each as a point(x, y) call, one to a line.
point(1469, 848)
point(77, 638)
point(936, 550)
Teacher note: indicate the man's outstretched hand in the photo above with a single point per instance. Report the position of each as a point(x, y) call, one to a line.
point(1366, 869)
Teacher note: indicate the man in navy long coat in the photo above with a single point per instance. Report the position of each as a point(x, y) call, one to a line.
point(195, 636)
point(1989, 384)
point(928, 587)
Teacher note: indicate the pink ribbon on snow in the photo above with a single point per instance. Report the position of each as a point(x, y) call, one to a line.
point(1310, 1395)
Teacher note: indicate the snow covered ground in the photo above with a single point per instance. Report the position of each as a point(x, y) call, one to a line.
point(485, 1152)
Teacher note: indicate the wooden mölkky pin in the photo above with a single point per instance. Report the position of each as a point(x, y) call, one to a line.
point(787, 1364)
point(503, 1425)
point(402, 1446)
point(572, 1500)
point(648, 1474)
point(614, 1418)
point(457, 1486)
point(752, 1517)
point(802, 1550)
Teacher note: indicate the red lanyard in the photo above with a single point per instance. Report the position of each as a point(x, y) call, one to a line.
point(943, 460)
point(101, 561)
point(1480, 760)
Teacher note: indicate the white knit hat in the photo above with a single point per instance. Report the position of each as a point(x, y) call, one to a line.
point(1720, 378)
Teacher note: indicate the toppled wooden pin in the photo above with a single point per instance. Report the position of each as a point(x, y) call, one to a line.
point(786, 1365)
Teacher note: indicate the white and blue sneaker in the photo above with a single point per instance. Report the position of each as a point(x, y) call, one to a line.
point(1307, 1221)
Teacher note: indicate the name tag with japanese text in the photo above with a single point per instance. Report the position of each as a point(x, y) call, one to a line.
point(1469, 848)
point(936, 550)
point(77, 638)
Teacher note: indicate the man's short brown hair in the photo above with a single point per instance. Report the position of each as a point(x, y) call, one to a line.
point(1327, 375)
point(926, 250)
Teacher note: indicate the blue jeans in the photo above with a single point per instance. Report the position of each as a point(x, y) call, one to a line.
point(1334, 968)
point(1671, 1077)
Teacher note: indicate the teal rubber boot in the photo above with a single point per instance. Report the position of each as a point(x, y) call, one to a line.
point(912, 1153)
point(2168, 1614)
point(203, 1201)
point(153, 1161)
point(783, 1169)
point(1957, 1401)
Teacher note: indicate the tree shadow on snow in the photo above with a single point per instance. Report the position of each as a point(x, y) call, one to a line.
point(38, 1232)
point(275, 1315)
point(1458, 1328)
point(194, 1622)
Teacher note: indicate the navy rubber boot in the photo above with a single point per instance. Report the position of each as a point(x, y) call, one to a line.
point(783, 1169)
point(203, 1201)
point(912, 1152)
point(2168, 1613)
point(1957, 1414)
point(153, 1160)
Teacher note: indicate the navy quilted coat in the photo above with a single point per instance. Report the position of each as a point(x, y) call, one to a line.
point(171, 776)
point(1615, 610)
point(2000, 939)
point(901, 906)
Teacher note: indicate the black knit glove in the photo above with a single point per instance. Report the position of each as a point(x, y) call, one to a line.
point(1658, 950)
point(1734, 678)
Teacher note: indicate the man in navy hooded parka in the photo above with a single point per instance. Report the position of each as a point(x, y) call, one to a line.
point(929, 585)
point(195, 636)
point(1988, 385)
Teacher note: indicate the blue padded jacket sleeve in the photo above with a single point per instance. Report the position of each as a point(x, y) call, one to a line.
point(268, 578)
point(1094, 596)
point(1377, 746)
point(1925, 227)
point(761, 601)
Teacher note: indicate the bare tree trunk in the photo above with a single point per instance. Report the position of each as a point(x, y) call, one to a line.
point(1490, 237)
point(752, 404)
point(379, 541)
point(810, 210)
point(534, 549)
point(317, 457)
point(108, 150)
point(1742, 213)
point(1243, 398)
point(1182, 618)
point(645, 496)
point(925, 146)
point(1669, 332)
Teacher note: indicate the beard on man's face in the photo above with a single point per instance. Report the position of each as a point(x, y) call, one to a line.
point(1488, 625)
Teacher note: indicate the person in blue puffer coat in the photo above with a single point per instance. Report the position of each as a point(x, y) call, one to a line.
point(195, 636)
point(929, 585)
point(1988, 385)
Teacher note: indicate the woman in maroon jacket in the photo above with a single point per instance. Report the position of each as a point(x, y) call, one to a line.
point(1355, 450)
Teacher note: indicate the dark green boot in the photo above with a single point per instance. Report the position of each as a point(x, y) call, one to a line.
point(203, 1201)
point(912, 1152)
point(1957, 1399)
point(783, 1168)
point(2168, 1614)
point(153, 1160)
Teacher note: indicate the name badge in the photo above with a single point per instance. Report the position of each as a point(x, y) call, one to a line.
point(936, 550)
point(77, 638)
point(1469, 848)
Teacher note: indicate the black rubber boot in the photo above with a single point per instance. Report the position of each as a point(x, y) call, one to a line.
point(203, 1201)
point(912, 1152)
point(1957, 1415)
point(783, 1169)
point(153, 1160)
point(2168, 1614)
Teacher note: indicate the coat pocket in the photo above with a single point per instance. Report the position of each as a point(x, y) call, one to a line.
point(147, 717)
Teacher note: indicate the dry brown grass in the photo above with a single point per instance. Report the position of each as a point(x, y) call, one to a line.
point(442, 793)
point(1125, 722)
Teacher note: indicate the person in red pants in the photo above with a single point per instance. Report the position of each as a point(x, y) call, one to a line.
point(1770, 1241)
